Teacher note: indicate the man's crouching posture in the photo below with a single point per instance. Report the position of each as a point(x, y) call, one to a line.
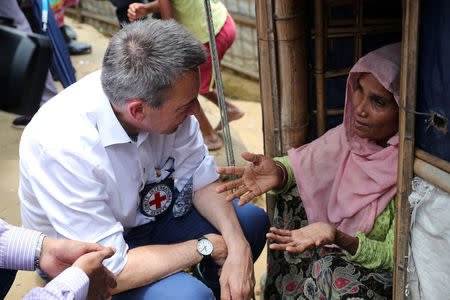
point(117, 159)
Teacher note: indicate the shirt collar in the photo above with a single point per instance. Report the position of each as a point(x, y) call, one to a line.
point(109, 128)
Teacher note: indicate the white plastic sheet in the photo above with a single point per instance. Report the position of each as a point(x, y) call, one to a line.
point(429, 249)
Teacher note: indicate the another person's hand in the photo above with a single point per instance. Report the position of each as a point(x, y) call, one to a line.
point(257, 178)
point(101, 280)
point(59, 254)
point(136, 11)
point(300, 240)
point(237, 278)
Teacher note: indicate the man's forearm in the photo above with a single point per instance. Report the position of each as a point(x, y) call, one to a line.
point(148, 264)
point(221, 214)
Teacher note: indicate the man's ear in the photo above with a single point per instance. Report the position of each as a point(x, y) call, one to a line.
point(137, 109)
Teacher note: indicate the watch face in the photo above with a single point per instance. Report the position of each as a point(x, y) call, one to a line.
point(205, 247)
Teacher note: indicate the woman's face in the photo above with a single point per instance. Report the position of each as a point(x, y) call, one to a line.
point(375, 110)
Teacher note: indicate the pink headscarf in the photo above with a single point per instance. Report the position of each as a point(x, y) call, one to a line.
point(345, 180)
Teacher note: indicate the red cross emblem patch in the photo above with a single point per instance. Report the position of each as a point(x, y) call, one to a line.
point(157, 200)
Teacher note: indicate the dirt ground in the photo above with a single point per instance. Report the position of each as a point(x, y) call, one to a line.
point(246, 136)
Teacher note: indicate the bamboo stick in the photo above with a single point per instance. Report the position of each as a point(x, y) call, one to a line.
point(334, 32)
point(408, 90)
point(433, 160)
point(290, 19)
point(268, 77)
point(319, 70)
point(432, 174)
point(268, 81)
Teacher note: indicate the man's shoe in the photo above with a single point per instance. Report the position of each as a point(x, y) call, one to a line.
point(77, 48)
point(69, 32)
point(21, 121)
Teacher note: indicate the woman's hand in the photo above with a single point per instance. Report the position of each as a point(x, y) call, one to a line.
point(136, 11)
point(257, 178)
point(300, 240)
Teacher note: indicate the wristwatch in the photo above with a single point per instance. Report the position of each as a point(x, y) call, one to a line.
point(204, 247)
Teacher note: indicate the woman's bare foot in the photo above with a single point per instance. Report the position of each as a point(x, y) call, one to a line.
point(212, 141)
point(233, 114)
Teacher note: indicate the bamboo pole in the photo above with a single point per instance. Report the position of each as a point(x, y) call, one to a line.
point(408, 90)
point(319, 70)
point(268, 82)
point(433, 160)
point(292, 37)
point(432, 174)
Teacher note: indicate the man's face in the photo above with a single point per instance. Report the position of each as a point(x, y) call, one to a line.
point(182, 102)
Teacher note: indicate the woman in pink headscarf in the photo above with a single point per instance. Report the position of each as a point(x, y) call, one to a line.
point(347, 182)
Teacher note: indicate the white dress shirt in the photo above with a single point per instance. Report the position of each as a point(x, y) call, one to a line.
point(80, 173)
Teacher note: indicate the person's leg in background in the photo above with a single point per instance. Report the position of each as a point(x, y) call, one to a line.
point(59, 10)
point(11, 9)
point(6, 279)
point(224, 40)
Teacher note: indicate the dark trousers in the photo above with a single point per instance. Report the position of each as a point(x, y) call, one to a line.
point(6, 281)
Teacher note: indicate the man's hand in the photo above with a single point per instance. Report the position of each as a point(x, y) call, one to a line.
point(237, 279)
point(300, 240)
point(136, 11)
point(101, 280)
point(58, 255)
point(257, 178)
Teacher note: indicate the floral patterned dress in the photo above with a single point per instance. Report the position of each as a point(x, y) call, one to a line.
point(319, 273)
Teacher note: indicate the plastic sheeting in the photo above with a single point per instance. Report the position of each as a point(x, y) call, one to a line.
point(432, 129)
point(429, 261)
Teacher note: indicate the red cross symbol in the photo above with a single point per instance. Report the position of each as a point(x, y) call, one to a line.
point(157, 201)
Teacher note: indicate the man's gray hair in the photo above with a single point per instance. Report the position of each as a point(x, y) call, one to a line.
point(145, 58)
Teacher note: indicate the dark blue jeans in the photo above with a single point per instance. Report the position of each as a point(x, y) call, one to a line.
point(6, 281)
point(170, 230)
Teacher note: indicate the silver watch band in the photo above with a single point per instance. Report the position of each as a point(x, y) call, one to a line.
point(37, 251)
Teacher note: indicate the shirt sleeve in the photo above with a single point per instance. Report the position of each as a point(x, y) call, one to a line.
point(69, 184)
point(290, 181)
point(72, 283)
point(17, 247)
point(192, 157)
point(374, 254)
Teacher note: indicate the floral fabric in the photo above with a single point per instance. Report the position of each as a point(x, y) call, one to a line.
point(319, 273)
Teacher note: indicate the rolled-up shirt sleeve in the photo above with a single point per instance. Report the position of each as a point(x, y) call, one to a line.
point(70, 190)
point(192, 157)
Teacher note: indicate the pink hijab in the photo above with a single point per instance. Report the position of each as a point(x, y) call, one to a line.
point(345, 180)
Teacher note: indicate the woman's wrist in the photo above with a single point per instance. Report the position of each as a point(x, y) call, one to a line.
point(281, 175)
point(346, 242)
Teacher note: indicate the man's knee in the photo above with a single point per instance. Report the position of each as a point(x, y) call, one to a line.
point(177, 286)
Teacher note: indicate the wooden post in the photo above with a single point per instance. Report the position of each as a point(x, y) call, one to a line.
point(292, 37)
point(282, 48)
point(319, 69)
point(268, 82)
point(408, 91)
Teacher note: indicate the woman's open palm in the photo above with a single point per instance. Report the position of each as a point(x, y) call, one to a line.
point(300, 240)
point(257, 178)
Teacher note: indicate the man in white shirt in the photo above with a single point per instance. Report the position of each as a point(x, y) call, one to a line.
point(127, 167)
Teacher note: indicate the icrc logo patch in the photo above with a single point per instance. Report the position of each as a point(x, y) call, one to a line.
point(157, 200)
